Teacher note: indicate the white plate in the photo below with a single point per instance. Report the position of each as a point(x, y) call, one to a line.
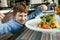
point(32, 24)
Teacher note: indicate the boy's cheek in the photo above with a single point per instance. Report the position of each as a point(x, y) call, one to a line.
point(21, 21)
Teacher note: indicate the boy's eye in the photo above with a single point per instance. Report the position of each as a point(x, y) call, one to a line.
point(20, 15)
point(25, 15)
point(25, 12)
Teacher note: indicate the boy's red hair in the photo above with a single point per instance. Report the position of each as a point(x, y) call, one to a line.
point(20, 7)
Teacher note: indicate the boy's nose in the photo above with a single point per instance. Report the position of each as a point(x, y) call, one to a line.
point(23, 18)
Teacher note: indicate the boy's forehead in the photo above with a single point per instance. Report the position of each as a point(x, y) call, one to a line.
point(21, 13)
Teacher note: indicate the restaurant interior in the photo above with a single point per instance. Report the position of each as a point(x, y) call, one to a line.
point(26, 33)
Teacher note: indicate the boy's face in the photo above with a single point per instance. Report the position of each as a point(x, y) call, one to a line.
point(21, 17)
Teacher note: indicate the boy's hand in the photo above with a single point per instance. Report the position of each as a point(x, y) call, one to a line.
point(1, 16)
point(44, 7)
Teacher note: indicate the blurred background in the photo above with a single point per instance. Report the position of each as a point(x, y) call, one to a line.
point(6, 4)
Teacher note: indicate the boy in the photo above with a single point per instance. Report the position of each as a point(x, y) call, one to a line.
point(20, 13)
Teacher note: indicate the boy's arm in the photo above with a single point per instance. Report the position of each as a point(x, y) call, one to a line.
point(37, 12)
point(11, 26)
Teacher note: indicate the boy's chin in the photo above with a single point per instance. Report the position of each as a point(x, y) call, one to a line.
point(22, 22)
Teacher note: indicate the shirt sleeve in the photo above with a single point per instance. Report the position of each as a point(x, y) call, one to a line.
point(34, 14)
point(11, 26)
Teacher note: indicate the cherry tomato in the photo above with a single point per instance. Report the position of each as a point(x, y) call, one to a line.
point(46, 26)
point(53, 25)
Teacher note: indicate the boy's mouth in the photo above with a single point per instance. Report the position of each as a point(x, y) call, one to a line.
point(22, 21)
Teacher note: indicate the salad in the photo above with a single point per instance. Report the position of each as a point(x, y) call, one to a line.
point(48, 22)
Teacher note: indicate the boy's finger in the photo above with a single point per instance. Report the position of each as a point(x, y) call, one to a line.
point(44, 7)
point(1, 17)
point(1, 14)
